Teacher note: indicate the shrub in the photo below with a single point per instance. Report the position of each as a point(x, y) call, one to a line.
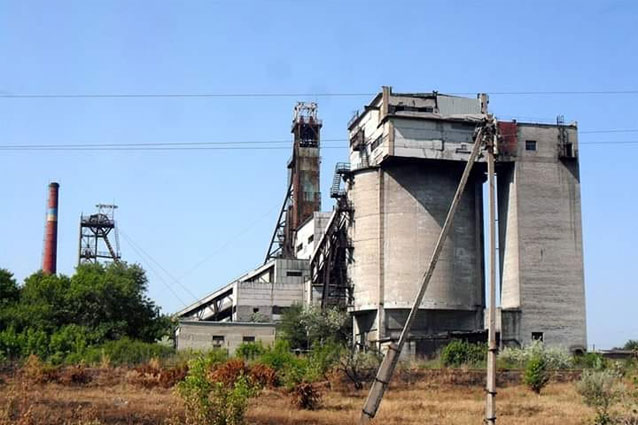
point(556, 358)
point(75, 376)
point(250, 350)
point(536, 374)
point(124, 351)
point(600, 390)
point(306, 395)
point(215, 394)
point(359, 366)
point(304, 327)
point(152, 374)
point(591, 361)
point(458, 353)
point(263, 376)
point(38, 372)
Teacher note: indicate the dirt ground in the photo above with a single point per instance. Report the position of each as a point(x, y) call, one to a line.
point(111, 399)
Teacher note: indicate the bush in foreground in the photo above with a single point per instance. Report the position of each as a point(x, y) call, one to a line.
point(555, 358)
point(215, 391)
point(600, 390)
point(536, 373)
point(459, 353)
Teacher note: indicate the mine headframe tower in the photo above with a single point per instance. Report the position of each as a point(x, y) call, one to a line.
point(303, 197)
point(94, 243)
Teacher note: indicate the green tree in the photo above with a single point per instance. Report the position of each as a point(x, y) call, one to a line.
point(112, 300)
point(43, 303)
point(536, 373)
point(632, 344)
point(9, 290)
point(290, 329)
point(57, 317)
point(304, 328)
point(9, 297)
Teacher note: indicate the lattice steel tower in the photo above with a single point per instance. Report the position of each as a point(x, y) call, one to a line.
point(303, 197)
point(94, 241)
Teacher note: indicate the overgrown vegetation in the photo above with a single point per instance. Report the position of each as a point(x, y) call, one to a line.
point(99, 311)
point(600, 390)
point(216, 391)
point(459, 353)
point(536, 373)
point(517, 358)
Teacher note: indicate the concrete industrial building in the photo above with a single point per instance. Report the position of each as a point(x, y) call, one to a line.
point(407, 152)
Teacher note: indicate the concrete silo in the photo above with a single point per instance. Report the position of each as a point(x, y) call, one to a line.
point(407, 153)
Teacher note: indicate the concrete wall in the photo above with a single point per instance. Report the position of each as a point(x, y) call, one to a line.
point(541, 240)
point(399, 209)
point(309, 234)
point(259, 300)
point(223, 335)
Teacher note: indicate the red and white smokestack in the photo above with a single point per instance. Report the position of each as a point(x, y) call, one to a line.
point(49, 260)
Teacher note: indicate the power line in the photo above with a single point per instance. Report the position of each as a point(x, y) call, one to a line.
point(185, 288)
point(96, 148)
point(159, 276)
point(300, 94)
point(164, 144)
point(228, 243)
point(146, 149)
point(174, 95)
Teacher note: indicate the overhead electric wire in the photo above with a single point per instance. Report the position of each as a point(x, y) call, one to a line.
point(8, 95)
point(124, 148)
point(228, 242)
point(184, 287)
point(152, 268)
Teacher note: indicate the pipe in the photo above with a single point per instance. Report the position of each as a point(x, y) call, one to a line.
point(49, 260)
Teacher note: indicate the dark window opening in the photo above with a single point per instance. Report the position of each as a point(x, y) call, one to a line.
point(255, 310)
point(376, 143)
point(530, 145)
point(537, 336)
point(311, 238)
point(218, 339)
point(299, 247)
point(279, 310)
point(248, 339)
point(293, 273)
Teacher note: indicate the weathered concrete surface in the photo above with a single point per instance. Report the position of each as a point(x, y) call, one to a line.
point(541, 241)
point(399, 209)
point(198, 335)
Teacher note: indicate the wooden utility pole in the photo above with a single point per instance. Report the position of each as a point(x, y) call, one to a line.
point(490, 388)
point(384, 374)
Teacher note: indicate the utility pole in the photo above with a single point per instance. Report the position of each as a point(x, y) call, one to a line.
point(490, 388)
point(485, 131)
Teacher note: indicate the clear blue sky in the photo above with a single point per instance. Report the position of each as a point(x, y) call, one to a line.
point(216, 209)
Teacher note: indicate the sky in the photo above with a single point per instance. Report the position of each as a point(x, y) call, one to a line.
point(196, 219)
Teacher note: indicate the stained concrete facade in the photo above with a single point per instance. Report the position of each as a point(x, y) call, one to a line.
point(407, 152)
point(540, 239)
point(309, 233)
point(201, 335)
point(408, 157)
point(259, 296)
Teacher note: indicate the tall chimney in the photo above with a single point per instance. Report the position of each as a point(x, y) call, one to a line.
point(49, 260)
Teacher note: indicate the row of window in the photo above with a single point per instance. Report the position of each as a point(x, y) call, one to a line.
point(310, 239)
point(220, 339)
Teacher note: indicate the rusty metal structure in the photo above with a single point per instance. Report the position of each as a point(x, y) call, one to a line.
point(333, 253)
point(50, 253)
point(94, 242)
point(303, 197)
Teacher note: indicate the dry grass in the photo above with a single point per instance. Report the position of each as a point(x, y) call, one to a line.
point(432, 404)
point(111, 399)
